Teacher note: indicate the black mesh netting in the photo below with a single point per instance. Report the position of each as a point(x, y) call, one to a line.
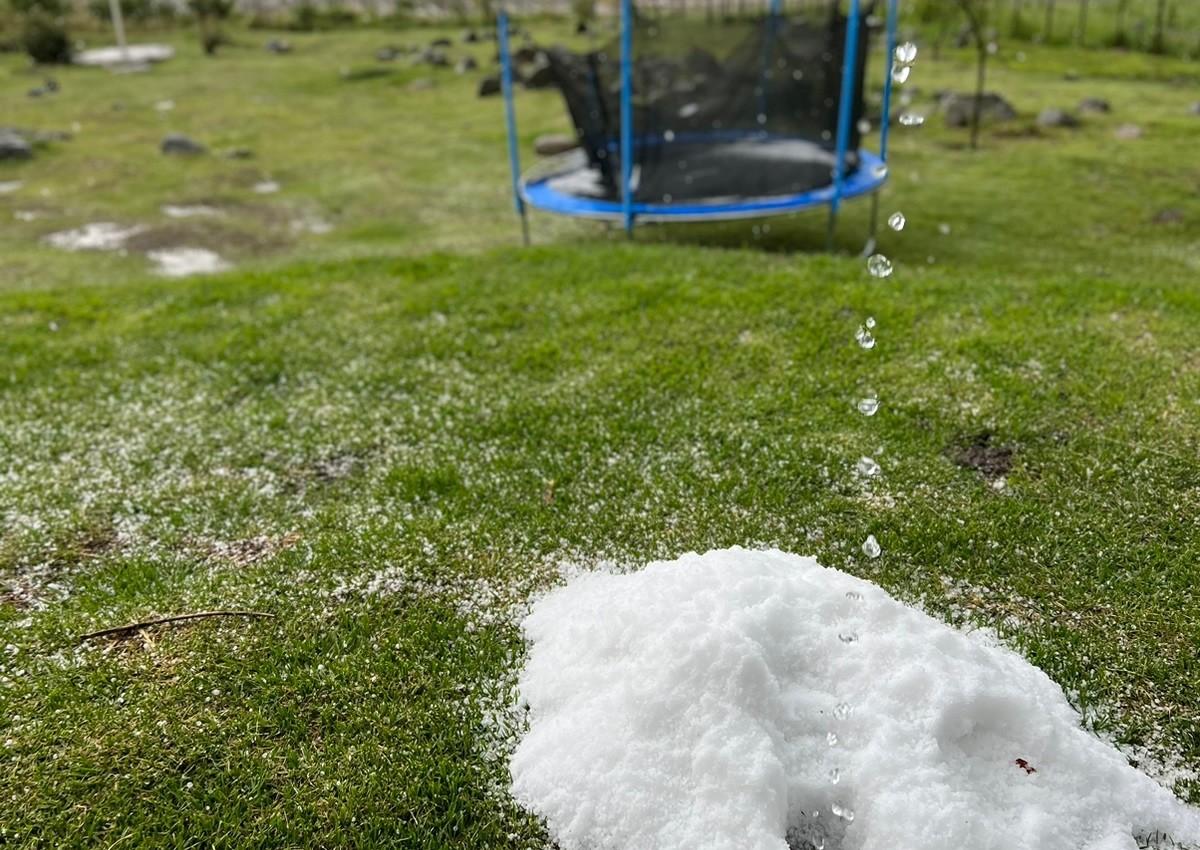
point(722, 109)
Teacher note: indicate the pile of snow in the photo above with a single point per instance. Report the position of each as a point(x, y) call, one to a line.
point(132, 54)
point(181, 262)
point(97, 236)
point(757, 700)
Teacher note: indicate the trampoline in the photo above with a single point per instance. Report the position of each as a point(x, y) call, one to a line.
point(686, 118)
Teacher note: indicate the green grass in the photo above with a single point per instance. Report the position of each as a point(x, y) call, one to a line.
point(390, 447)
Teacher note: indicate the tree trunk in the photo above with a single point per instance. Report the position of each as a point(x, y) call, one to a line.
point(1159, 43)
point(980, 77)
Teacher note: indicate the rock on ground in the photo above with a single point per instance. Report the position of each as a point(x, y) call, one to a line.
point(1056, 118)
point(489, 85)
point(959, 106)
point(1095, 104)
point(14, 145)
point(181, 145)
point(1128, 132)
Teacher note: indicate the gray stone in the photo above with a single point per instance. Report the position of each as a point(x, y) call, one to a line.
point(279, 46)
point(238, 153)
point(489, 85)
point(467, 63)
point(388, 54)
point(553, 144)
point(441, 42)
point(179, 144)
point(1195, 110)
point(470, 37)
point(13, 145)
point(434, 57)
point(1128, 132)
point(1095, 104)
point(1056, 118)
point(1168, 216)
point(420, 84)
point(959, 106)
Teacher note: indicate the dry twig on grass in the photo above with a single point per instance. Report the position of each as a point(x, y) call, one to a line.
point(131, 628)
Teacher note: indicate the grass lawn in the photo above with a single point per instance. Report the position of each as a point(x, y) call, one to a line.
point(391, 435)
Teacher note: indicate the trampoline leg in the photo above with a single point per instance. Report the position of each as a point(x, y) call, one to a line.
point(524, 228)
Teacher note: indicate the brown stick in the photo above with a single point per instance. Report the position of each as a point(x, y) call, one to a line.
point(199, 615)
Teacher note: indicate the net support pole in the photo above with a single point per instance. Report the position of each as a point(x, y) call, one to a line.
point(510, 120)
point(886, 119)
point(845, 107)
point(627, 115)
point(118, 22)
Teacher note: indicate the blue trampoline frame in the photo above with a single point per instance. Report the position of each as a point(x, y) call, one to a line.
point(870, 175)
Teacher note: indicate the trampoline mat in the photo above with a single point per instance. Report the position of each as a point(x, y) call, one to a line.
point(705, 171)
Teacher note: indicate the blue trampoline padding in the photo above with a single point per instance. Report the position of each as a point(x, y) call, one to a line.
point(868, 177)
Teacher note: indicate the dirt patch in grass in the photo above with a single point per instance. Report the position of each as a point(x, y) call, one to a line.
point(982, 454)
point(201, 233)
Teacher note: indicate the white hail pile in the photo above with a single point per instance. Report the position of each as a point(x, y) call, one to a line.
point(738, 699)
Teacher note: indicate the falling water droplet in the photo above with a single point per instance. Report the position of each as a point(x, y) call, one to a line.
point(854, 596)
point(879, 265)
point(832, 739)
point(864, 126)
point(871, 547)
point(848, 637)
point(911, 119)
point(944, 229)
point(906, 53)
point(867, 467)
point(900, 73)
point(835, 776)
point(843, 811)
point(865, 340)
point(836, 808)
point(880, 171)
point(762, 119)
point(870, 322)
point(867, 406)
point(896, 221)
point(669, 136)
point(842, 710)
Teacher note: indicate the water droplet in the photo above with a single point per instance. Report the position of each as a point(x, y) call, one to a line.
point(835, 776)
point(864, 126)
point(871, 547)
point(944, 229)
point(879, 265)
point(867, 406)
point(906, 53)
point(762, 119)
point(896, 221)
point(831, 739)
point(870, 322)
point(867, 467)
point(842, 710)
point(797, 75)
point(848, 637)
point(669, 136)
point(911, 119)
point(865, 340)
point(880, 171)
point(900, 73)
point(843, 811)
point(854, 596)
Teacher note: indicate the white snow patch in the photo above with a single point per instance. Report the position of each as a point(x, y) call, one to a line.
point(132, 54)
point(181, 262)
point(707, 703)
point(97, 236)
point(189, 210)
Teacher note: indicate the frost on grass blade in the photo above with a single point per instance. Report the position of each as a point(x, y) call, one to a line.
point(688, 705)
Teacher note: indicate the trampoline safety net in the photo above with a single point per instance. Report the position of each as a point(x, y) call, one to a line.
point(723, 110)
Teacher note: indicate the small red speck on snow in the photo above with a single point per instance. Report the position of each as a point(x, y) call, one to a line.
point(1025, 766)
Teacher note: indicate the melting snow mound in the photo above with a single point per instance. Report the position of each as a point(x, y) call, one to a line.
point(755, 700)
